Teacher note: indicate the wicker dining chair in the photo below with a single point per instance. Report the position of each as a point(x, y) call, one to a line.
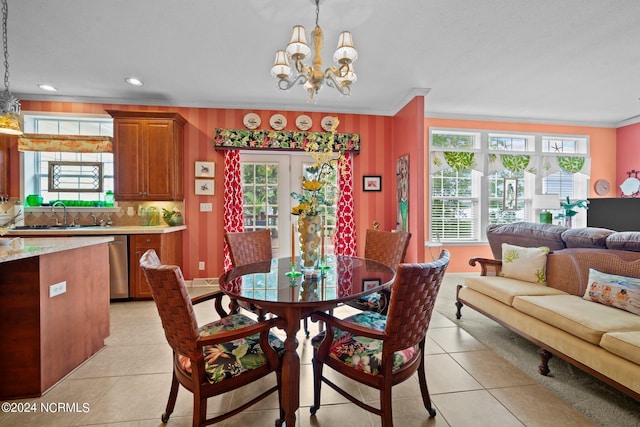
point(249, 247)
point(380, 350)
point(206, 360)
point(388, 248)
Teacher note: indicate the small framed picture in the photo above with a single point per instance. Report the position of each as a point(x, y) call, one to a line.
point(510, 194)
point(205, 169)
point(205, 187)
point(371, 183)
point(370, 283)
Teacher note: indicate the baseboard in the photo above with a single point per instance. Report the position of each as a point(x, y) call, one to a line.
point(202, 282)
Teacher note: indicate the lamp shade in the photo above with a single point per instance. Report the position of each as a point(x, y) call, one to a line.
point(298, 46)
point(345, 52)
point(281, 68)
point(546, 201)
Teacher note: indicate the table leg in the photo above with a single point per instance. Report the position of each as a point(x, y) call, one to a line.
point(291, 372)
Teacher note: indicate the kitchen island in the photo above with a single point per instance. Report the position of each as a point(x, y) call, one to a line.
point(54, 309)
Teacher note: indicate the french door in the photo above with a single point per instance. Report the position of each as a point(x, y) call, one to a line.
point(267, 182)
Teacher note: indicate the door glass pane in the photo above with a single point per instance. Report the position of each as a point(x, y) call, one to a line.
point(267, 182)
point(260, 198)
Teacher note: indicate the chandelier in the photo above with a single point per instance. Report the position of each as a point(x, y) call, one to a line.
point(312, 77)
point(9, 104)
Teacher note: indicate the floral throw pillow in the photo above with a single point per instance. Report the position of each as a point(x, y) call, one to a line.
point(613, 290)
point(528, 264)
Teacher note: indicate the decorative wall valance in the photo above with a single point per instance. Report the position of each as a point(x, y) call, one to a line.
point(225, 139)
point(65, 143)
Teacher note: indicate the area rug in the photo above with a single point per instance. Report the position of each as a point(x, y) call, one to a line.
point(601, 403)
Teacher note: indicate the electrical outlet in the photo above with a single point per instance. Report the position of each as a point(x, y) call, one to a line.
point(57, 289)
point(201, 265)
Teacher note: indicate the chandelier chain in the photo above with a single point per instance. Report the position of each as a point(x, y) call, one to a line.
point(5, 12)
point(317, 12)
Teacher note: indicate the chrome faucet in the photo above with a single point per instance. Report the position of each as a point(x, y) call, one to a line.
point(64, 210)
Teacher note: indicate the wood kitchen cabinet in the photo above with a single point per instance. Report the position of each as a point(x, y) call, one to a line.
point(148, 149)
point(168, 246)
point(4, 165)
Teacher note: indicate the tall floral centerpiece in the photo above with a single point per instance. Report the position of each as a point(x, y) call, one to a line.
point(310, 221)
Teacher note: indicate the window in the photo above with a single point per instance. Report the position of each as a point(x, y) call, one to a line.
point(36, 172)
point(479, 178)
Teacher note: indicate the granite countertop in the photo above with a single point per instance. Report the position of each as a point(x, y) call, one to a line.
point(97, 230)
point(14, 248)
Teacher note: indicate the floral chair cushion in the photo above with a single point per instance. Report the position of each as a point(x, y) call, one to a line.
point(363, 353)
point(228, 360)
point(370, 302)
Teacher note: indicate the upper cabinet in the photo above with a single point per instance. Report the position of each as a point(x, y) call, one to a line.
point(148, 155)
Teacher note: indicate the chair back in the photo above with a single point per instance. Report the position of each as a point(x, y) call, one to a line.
point(173, 303)
point(386, 247)
point(413, 296)
point(249, 246)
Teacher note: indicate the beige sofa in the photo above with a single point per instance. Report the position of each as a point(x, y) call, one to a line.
point(601, 340)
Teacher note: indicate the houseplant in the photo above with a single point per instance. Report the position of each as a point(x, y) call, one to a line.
point(569, 210)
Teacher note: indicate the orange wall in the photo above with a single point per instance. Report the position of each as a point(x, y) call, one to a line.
point(408, 138)
point(203, 238)
point(628, 155)
point(603, 165)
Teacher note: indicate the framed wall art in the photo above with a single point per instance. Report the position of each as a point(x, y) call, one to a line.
point(510, 194)
point(205, 169)
point(402, 182)
point(370, 283)
point(372, 183)
point(205, 187)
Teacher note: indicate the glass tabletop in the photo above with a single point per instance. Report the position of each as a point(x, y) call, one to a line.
point(345, 278)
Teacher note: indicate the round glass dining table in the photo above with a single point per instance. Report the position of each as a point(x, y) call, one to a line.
point(293, 295)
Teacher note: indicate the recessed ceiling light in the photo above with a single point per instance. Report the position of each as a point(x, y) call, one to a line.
point(133, 81)
point(47, 87)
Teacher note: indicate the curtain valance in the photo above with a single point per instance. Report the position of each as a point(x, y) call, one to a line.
point(235, 139)
point(542, 165)
point(65, 143)
point(457, 160)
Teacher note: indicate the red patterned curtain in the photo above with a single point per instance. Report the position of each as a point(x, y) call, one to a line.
point(233, 217)
point(345, 243)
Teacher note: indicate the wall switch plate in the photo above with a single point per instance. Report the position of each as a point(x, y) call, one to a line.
point(206, 207)
point(57, 289)
point(201, 265)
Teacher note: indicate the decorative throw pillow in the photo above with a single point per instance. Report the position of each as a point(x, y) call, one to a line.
point(528, 264)
point(617, 291)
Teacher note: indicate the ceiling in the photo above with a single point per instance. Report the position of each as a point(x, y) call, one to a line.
point(568, 61)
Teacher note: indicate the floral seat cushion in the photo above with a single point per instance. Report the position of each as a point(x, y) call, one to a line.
point(363, 353)
point(371, 301)
point(228, 360)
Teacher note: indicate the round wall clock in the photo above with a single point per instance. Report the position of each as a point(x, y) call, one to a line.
point(602, 187)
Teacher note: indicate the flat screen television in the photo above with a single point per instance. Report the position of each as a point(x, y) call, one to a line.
point(620, 214)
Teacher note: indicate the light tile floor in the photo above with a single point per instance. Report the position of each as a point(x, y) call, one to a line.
point(127, 384)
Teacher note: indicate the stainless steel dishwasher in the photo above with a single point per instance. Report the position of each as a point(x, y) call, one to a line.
point(119, 266)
